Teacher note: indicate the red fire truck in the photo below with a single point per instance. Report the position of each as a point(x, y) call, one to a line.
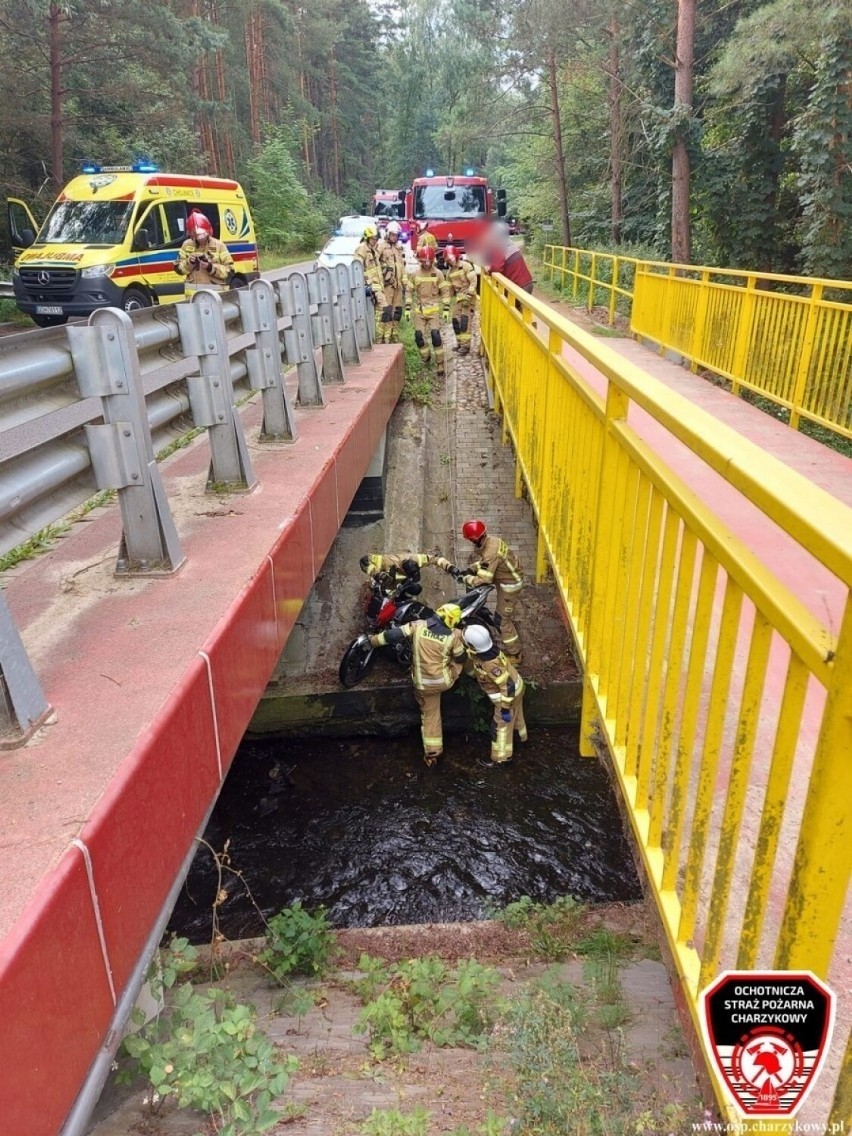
point(389, 205)
point(457, 208)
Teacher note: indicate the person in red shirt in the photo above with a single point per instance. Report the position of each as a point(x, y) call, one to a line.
point(504, 256)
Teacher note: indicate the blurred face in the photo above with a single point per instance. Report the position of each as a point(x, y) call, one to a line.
point(200, 236)
point(393, 236)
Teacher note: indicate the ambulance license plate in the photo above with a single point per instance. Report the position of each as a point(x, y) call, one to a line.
point(49, 310)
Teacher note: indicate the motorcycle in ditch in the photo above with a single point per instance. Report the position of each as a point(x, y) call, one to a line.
point(392, 605)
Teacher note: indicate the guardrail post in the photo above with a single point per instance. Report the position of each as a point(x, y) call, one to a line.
point(346, 322)
point(700, 324)
point(259, 317)
point(592, 280)
point(106, 364)
point(613, 289)
point(576, 271)
point(805, 356)
point(310, 384)
point(363, 313)
point(743, 332)
point(211, 391)
point(22, 702)
point(323, 282)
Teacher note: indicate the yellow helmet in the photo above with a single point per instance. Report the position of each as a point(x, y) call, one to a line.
point(449, 613)
point(370, 231)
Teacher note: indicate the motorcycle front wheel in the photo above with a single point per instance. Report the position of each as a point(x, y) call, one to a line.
point(357, 662)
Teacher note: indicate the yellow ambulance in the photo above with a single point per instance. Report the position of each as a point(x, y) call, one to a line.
point(112, 239)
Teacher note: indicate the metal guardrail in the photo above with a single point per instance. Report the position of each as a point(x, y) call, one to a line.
point(86, 407)
point(788, 338)
point(7, 289)
point(723, 701)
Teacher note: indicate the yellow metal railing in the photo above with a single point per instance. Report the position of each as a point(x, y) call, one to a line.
point(788, 338)
point(724, 702)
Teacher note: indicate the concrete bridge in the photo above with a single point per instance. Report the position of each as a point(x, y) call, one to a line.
point(649, 492)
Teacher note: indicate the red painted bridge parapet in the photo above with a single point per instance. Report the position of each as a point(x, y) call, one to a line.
point(153, 683)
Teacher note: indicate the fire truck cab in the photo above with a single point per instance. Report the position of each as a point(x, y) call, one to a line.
point(456, 208)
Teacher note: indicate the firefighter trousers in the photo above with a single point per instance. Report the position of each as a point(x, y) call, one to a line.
point(463, 325)
point(427, 335)
point(507, 607)
point(388, 319)
point(431, 726)
point(502, 733)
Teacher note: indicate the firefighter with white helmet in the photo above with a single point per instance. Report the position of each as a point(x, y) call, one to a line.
point(501, 683)
point(203, 259)
point(368, 253)
point(430, 294)
point(437, 658)
point(461, 277)
point(392, 263)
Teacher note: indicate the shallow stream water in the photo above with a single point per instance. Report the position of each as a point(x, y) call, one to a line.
point(363, 827)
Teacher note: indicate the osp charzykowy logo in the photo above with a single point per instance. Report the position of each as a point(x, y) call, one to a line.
point(769, 1032)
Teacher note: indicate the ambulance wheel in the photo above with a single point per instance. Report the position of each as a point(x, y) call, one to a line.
point(135, 299)
point(238, 282)
point(49, 321)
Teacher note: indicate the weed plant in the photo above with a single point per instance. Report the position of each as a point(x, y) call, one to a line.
point(207, 1053)
point(298, 942)
point(410, 1002)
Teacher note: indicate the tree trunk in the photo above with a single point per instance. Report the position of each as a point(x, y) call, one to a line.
point(684, 55)
point(54, 17)
point(616, 132)
point(560, 149)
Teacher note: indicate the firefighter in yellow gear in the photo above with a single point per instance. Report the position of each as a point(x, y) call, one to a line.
point(437, 659)
point(396, 566)
point(492, 561)
point(430, 295)
point(203, 259)
point(461, 277)
point(368, 253)
point(425, 239)
point(394, 280)
point(501, 683)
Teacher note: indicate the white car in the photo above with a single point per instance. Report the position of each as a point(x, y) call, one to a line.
point(354, 225)
point(339, 250)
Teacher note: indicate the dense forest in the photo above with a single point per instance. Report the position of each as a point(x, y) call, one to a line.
point(713, 131)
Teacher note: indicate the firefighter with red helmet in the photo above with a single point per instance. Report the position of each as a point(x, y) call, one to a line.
point(437, 658)
point(492, 561)
point(203, 259)
point(461, 277)
point(430, 294)
point(392, 263)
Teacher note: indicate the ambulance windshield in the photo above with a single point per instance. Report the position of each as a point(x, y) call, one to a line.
point(86, 223)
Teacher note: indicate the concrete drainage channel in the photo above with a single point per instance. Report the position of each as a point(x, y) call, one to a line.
point(328, 802)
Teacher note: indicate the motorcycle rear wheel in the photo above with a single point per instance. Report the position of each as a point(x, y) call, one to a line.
point(357, 662)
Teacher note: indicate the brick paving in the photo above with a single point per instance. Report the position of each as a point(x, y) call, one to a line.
point(483, 486)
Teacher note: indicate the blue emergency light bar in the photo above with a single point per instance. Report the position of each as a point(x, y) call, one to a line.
point(430, 173)
point(140, 166)
point(469, 172)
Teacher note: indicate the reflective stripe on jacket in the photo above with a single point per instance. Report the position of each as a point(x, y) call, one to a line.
point(495, 562)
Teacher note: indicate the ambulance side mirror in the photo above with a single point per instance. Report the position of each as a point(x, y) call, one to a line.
point(27, 238)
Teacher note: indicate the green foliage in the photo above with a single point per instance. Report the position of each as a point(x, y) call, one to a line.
point(284, 212)
point(420, 384)
point(206, 1051)
point(392, 1122)
point(298, 942)
point(422, 999)
point(552, 927)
